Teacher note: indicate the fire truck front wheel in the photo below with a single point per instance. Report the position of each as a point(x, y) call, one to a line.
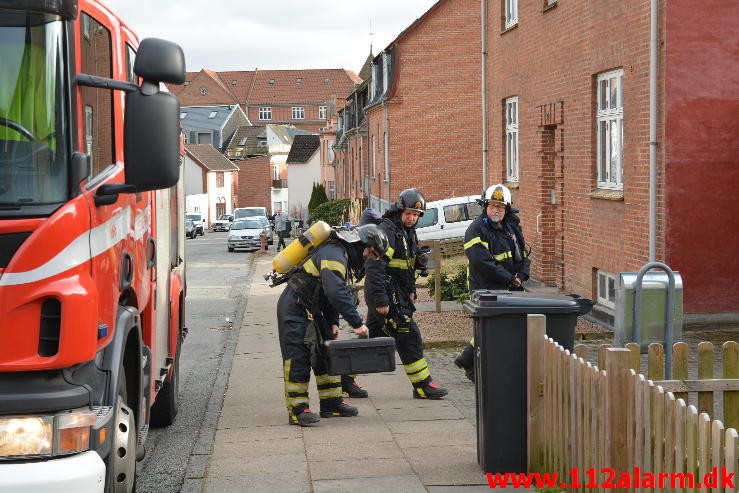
point(121, 462)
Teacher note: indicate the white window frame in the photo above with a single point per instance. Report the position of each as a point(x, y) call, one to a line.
point(511, 13)
point(511, 136)
point(321, 112)
point(606, 293)
point(265, 112)
point(609, 130)
point(298, 113)
point(331, 188)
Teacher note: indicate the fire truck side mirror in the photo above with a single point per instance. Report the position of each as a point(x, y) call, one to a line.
point(152, 124)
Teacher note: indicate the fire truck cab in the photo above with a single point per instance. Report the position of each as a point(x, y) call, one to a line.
point(92, 273)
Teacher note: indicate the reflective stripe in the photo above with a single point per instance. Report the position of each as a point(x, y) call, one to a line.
point(420, 376)
point(331, 393)
point(334, 265)
point(502, 256)
point(296, 386)
point(324, 379)
point(296, 401)
point(311, 268)
point(415, 366)
point(398, 263)
point(474, 241)
point(390, 251)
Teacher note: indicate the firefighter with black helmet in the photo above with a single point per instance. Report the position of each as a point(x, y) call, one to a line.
point(390, 291)
point(308, 312)
point(497, 254)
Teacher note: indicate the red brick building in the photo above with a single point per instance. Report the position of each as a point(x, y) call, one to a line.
point(417, 120)
point(569, 126)
point(254, 183)
point(297, 97)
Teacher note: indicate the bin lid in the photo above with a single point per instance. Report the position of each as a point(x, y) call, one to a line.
point(486, 303)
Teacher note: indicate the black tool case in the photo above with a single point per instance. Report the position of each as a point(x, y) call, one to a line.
point(352, 356)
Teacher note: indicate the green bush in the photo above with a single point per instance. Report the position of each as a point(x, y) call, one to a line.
point(317, 197)
point(334, 212)
point(453, 288)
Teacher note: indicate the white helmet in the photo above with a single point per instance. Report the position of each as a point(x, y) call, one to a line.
point(497, 193)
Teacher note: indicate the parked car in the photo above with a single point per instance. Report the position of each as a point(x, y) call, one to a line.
point(245, 233)
point(448, 218)
point(198, 220)
point(190, 230)
point(223, 223)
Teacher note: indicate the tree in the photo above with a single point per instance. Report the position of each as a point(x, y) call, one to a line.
point(317, 197)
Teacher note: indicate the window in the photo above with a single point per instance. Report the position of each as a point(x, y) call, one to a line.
point(212, 115)
point(606, 289)
point(298, 80)
point(511, 135)
point(183, 115)
point(321, 112)
point(374, 155)
point(609, 125)
point(130, 62)
point(511, 13)
point(429, 218)
point(298, 113)
point(331, 187)
point(219, 179)
point(205, 138)
point(242, 142)
point(96, 59)
point(265, 113)
point(275, 171)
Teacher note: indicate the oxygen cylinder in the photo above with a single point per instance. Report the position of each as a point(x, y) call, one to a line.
point(296, 251)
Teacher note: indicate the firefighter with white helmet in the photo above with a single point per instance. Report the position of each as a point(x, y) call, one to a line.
point(497, 253)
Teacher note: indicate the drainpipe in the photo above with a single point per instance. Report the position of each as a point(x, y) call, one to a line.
point(653, 31)
point(387, 148)
point(483, 81)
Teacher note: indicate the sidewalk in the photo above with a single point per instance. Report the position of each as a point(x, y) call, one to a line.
point(396, 444)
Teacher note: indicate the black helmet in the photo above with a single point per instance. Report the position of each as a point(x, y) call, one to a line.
point(372, 236)
point(412, 199)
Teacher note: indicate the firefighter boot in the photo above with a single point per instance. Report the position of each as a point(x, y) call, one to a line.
point(466, 362)
point(339, 408)
point(351, 388)
point(304, 417)
point(429, 391)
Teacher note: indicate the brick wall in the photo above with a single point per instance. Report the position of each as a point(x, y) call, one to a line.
point(434, 117)
point(254, 182)
point(552, 59)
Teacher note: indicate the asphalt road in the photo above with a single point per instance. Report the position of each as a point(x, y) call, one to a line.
point(176, 456)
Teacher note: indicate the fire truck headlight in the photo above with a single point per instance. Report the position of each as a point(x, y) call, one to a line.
point(26, 436)
point(45, 436)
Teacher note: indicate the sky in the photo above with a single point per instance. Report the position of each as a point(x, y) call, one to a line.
point(225, 35)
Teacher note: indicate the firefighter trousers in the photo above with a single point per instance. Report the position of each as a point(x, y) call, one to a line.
point(292, 323)
point(409, 345)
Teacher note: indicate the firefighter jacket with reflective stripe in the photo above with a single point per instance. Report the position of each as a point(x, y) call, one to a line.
point(495, 255)
point(399, 263)
point(329, 266)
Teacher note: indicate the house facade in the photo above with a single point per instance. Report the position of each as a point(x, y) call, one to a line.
point(569, 120)
point(213, 125)
point(303, 171)
point(209, 181)
point(423, 114)
point(294, 97)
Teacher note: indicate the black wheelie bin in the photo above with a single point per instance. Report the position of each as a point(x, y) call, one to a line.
point(500, 367)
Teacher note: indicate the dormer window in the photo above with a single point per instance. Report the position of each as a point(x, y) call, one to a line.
point(327, 80)
point(242, 142)
point(299, 80)
point(183, 115)
point(233, 82)
point(271, 82)
point(212, 115)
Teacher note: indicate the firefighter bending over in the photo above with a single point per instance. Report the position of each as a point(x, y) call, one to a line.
point(308, 313)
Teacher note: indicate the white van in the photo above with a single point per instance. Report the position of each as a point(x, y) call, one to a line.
point(242, 212)
point(448, 218)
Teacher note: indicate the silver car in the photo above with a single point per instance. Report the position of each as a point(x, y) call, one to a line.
point(246, 234)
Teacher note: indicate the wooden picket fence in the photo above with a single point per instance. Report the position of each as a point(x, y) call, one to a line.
point(593, 424)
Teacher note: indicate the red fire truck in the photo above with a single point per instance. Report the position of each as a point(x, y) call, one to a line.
point(92, 277)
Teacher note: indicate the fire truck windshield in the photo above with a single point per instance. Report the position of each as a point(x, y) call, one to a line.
point(33, 130)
